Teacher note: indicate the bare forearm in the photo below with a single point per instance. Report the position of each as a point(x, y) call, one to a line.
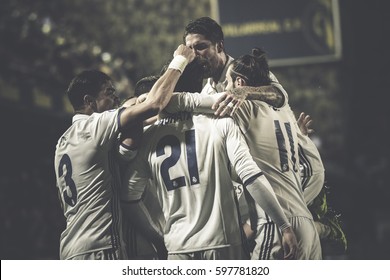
point(156, 100)
point(137, 114)
point(269, 94)
point(162, 90)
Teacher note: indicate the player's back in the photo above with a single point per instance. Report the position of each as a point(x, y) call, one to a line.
point(188, 159)
point(272, 138)
point(86, 172)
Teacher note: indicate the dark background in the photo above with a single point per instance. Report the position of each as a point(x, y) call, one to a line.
point(346, 99)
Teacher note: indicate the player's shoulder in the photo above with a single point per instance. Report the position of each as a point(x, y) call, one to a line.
point(213, 120)
point(224, 125)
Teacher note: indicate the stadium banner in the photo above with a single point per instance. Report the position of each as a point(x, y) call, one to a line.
point(291, 32)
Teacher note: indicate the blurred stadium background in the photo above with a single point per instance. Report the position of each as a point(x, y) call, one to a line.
point(43, 44)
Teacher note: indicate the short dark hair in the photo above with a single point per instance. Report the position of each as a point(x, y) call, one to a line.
point(144, 85)
point(87, 82)
point(191, 80)
point(205, 26)
point(252, 67)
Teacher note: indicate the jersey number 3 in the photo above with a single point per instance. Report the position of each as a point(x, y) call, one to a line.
point(70, 192)
point(171, 161)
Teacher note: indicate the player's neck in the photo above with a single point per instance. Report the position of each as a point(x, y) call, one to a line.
point(224, 61)
point(85, 111)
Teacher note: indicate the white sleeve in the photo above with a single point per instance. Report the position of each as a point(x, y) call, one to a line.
point(126, 153)
point(192, 102)
point(135, 179)
point(312, 187)
point(252, 176)
point(311, 168)
point(238, 152)
point(105, 128)
point(262, 192)
point(275, 83)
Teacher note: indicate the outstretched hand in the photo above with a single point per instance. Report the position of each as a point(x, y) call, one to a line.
point(304, 122)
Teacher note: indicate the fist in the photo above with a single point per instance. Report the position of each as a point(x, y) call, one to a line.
point(185, 51)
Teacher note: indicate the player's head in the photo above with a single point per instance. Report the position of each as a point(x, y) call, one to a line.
point(144, 85)
point(191, 80)
point(205, 36)
point(92, 91)
point(142, 88)
point(249, 70)
point(207, 27)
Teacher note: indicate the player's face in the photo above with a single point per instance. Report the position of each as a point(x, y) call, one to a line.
point(107, 99)
point(206, 51)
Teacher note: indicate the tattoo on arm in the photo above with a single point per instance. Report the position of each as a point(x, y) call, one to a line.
point(268, 94)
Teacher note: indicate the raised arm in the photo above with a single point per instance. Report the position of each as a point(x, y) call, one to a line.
point(161, 92)
point(132, 117)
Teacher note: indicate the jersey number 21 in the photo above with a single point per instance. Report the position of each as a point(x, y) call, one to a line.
point(171, 161)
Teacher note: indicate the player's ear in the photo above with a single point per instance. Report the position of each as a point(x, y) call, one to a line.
point(240, 81)
point(88, 100)
point(220, 46)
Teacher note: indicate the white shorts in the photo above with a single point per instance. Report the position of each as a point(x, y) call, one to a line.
point(225, 253)
point(269, 241)
point(107, 254)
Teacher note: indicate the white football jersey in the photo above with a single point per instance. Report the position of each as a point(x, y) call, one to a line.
point(312, 169)
point(188, 157)
point(272, 138)
point(88, 183)
point(311, 166)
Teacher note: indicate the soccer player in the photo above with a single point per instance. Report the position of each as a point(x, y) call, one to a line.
point(187, 156)
point(205, 37)
point(327, 221)
point(138, 245)
point(271, 135)
point(273, 140)
point(86, 160)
